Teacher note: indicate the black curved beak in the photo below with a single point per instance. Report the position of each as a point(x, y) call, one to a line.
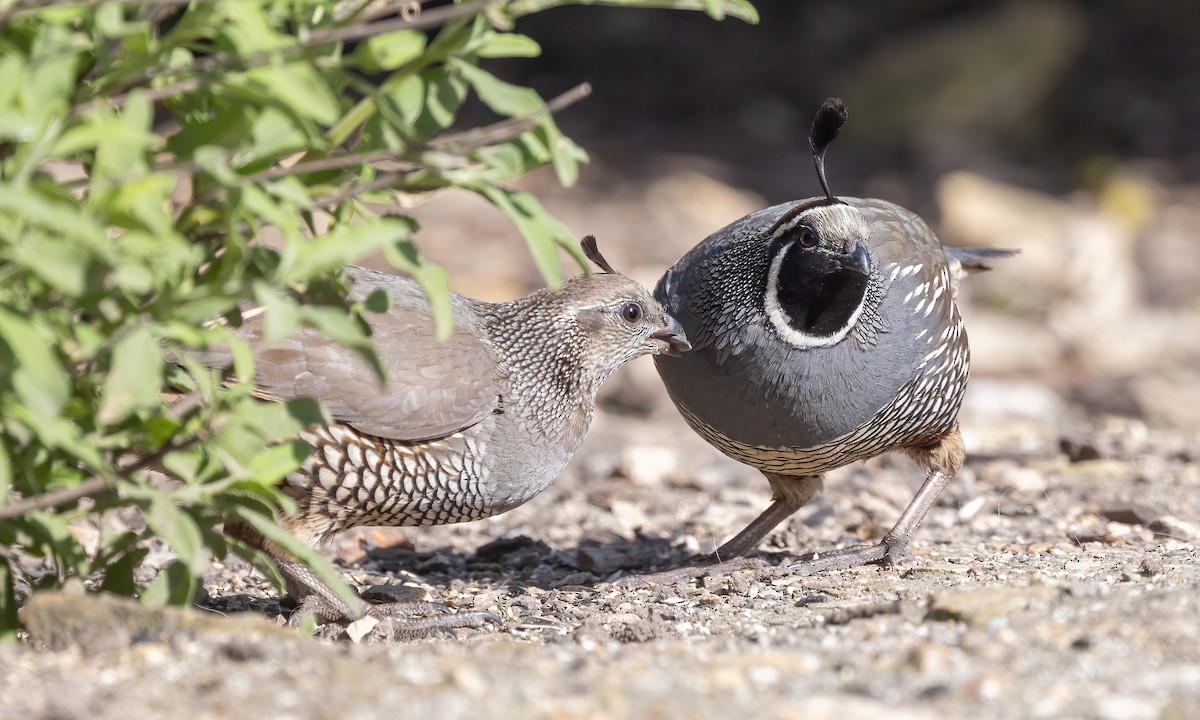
point(672, 335)
point(858, 260)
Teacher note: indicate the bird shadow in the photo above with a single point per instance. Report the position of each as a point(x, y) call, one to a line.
point(523, 562)
point(516, 563)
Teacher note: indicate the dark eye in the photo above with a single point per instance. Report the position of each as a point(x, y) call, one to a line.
point(807, 237)
point(632, 312)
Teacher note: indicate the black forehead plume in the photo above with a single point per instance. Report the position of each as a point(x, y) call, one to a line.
point(830, 118)
point(592, 252)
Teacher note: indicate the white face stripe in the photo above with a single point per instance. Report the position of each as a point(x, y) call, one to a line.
point(779, 318)
point(836, 220)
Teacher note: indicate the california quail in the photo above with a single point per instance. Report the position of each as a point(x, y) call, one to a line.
point(465, 428)
point(823, 331)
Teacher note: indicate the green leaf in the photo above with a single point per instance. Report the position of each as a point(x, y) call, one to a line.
point(276, 463)
point(175, 585)
point(247, 29)
point(542, 233)
point(379, 301)
point(54, 534)
point(6, 476)
point(390, 50)
point(259, 559)
point(322, 570)
point(62, 218)
point(119, 574)
point(143, 201)
point(8, 605)
point(296, 86)
point(281, 315)
point(432, 279)
point(291, 190)
point(227, 129)
point(502, 97)
point(714, 8)
point(36, 376)
point(507, 45)
point(180, 531)
point(124, 142)
point(337, 249)
point(135, 379)
point(564, 153)
point(343, 329)
point(421, 106)
point(741, 9)
point(306, 412)
point(63, 264)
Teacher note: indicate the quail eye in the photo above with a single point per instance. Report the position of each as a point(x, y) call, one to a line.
point(632, 312)
point(807, 237)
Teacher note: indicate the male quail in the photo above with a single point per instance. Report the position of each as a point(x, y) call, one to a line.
point(823, 331)
point(464, 428)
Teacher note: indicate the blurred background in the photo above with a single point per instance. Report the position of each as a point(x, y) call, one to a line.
point(1067, 130)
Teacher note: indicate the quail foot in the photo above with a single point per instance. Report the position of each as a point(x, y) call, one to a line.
point(463, 429)
point(824, 331)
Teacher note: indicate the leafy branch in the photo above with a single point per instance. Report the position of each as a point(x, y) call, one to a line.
point(147, 147)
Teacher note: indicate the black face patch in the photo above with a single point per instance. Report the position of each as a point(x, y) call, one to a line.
point(817, 295)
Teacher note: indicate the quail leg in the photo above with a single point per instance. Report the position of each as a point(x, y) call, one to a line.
point(408, 619)
point(790, 493)
point(942, 461)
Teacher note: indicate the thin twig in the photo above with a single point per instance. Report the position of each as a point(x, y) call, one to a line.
point(186, 167)
point(22, 6)
point(88, 488)
point(510, 128)
point(321, 36)
point(380, 183)
point(460, 142)
point(97, 484)
point(185, 405)
point(456, 142)
point(335, 162)
point(403, 8)
point(429, 19)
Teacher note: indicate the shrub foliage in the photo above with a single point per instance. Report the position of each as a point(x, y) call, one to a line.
point(166, 164)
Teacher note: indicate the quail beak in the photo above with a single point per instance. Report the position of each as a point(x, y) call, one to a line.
point(672, 335)
point(858, 260)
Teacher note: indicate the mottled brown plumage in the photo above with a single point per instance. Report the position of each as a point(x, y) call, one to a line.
point(464, 428)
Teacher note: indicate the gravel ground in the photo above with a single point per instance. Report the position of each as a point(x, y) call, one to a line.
point(1057, 578)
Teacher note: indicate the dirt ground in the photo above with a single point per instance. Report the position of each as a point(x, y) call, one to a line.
point(1058, 577)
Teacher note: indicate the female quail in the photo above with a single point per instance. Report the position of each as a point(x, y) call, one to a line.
point(464, 428)
point(823, 331)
